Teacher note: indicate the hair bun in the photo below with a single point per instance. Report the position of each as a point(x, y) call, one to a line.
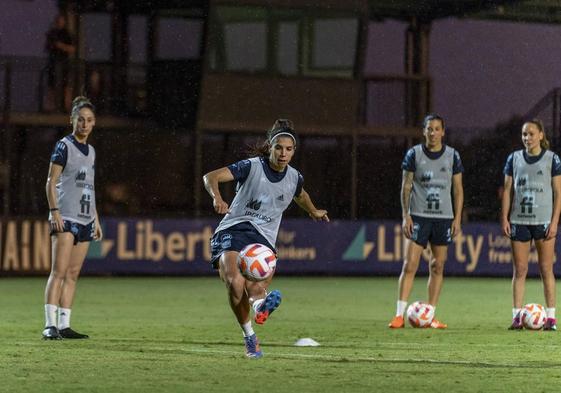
point(80, 100)
point(283, 124)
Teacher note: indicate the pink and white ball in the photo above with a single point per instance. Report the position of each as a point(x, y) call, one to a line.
point(533, 316)
point(257, 262)
point(420, 314)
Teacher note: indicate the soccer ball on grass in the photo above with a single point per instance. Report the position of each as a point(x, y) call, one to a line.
point(420, 314)
point(533, 316)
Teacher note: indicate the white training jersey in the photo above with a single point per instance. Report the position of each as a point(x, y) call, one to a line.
point(75, 186)
point(533, 195)
point(432, 185)
point(261, 202)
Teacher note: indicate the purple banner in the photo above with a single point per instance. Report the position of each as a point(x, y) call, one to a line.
point(181, 247)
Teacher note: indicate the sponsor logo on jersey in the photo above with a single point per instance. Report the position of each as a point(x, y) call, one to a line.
point(253, 204)
point(81, 176)
point(427, 176)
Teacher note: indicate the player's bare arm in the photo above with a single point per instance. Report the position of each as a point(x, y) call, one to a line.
point(305, 202)
point(505, 205)
point(552, 229)
point(406, 188)
point(458, 194)
point(211, 181)
point(54, 173)
point(98, 235)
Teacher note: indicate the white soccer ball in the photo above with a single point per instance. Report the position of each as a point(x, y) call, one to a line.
point(533, 316)
point(257, 262)
point(420, 314)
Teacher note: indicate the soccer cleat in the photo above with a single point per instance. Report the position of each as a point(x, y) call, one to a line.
point(397, 322)
point(436, 324)
point(550, 324)
point(516, 323)
point(252, 347)
point(71, 334)
point(51, 333)
point(270, 304)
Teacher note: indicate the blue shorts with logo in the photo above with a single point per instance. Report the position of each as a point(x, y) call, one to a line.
point(436, 231)
point(235, 238)
point(525, 233)
point(81, 232)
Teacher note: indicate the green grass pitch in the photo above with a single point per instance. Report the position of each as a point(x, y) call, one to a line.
point(178, 335)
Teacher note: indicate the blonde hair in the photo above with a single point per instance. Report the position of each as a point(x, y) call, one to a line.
point(544, 143)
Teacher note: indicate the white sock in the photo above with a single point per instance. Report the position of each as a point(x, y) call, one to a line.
point(401, 306)
point(550, 312)
point(256, 304)
point(50, 315)
point(515, 312)
point(63, 318)
point(247, 329)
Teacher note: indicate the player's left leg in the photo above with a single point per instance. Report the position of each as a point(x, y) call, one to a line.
point(77, 257)
point(436, 276)
point(545, 250)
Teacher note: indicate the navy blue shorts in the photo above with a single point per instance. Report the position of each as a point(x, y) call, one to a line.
point(235, 238)
point(436, 231)
point(82, 233)
point(525, 233)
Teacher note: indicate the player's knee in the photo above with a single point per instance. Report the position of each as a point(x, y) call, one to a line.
point(57, 274)
point(436, 267)
point(410, 267)
point(546, 270)
point(72, 275)
point(520, 271)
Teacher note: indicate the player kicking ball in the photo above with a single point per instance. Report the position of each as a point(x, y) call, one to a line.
point(266, 185)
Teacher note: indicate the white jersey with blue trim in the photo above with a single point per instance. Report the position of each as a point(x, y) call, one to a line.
point(75, 186)
point(533, 195)
point(261, 202)
point(432, 185)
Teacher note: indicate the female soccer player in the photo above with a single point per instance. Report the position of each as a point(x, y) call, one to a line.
point(531, 204)
point(432, 173)
point(73, 218)
point(270, 184)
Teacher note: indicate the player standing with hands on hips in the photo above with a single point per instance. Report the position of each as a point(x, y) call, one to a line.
point(531, 205)
point(266, 185)
point(73, 218)
point(432, 198)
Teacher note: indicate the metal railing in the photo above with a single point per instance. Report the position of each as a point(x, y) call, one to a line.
point(395, 100)
point(116, 90)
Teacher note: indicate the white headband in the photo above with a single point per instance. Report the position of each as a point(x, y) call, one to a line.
point(282, 134)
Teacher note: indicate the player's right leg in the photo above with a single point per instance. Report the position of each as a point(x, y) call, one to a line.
point(263, 302)
point(77, 257)
point(413, 253)
point(62, 244)
point(239, 300)
point(520, 256)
